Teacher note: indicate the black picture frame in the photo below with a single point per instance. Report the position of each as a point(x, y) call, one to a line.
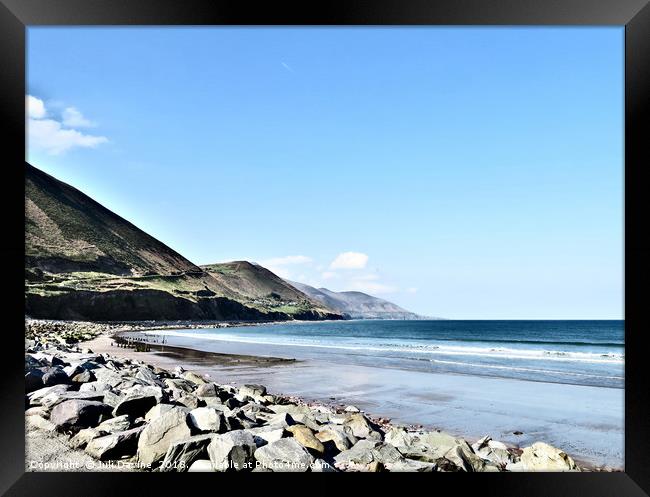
point(16, 15)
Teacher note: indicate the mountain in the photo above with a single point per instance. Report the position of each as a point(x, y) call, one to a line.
point(356, 305)
point(257, 286)
point(83, 261)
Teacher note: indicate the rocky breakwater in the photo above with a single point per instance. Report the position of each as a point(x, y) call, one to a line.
point(123, 410)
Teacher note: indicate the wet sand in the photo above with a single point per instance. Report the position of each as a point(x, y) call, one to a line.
point(583, 420)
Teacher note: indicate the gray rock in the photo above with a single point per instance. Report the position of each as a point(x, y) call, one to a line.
point(77, 414)
point(280, 420)
point(135, 405)
point(195, 378)
point(55, 397)
point(361, 426)
point(115, 445)
point(206, 390)
point(36, 396)
point(160, 433)
point(55, 376)
point(266, 434)
point(252, 390)
point(94, 386)
point(544, 457)
point(182, 453)
point(360, 454)
point(343, 439)
point(284, 455)
point(83, 437)
point(157, 411)
point(34, 380)
point(83, 377)
point(119, 423)
point(207, 419)
point(232, 451)
point(398, 437)
point(191, 401)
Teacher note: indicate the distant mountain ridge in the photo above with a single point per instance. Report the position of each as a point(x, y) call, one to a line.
point(356, 305)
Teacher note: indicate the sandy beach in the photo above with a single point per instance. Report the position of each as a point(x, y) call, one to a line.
point(583, 420)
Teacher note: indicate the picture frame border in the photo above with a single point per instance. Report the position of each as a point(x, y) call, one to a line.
point(17, 15)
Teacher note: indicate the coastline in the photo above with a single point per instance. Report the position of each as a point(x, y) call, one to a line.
point(239, 367)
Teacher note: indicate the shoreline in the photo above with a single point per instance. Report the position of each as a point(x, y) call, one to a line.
point(170, 357)
point(205, 362)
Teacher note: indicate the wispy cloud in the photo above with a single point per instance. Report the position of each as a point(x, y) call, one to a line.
point(349, 260)
point(54, 136)
point(278, 265)
point(72, 118)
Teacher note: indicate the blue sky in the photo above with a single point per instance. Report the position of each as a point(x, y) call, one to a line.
point(467, 173)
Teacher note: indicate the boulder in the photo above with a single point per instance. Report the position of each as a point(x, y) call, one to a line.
point(156, 411)
point(206, 390)
point(33, 380)
point(36, 396)
point(265, 434)
point(543, 457)
point(352, 409)
point(55, 376)
point(232, 451)
point(191, 401)
point(360, 454)
point(119, 423)
point(94, 386)
point(182, 453)
point(252, 391)
point(160, 433)
point(284, 455)
point(361, 427)
point(135, 406)
point(115, 445)
point(83, 437)
point(337, 435)
point(83, 377)
point(305, 437)
point(398, 437)
point(76, 414)
point(195, 378)
point(207, 419)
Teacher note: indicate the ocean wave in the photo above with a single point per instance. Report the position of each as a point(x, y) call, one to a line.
point(452, 350)
point(528, 370)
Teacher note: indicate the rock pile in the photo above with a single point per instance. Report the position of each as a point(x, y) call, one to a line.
point(125, 410)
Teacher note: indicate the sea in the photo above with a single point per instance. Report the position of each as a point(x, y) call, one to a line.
point(588, 353)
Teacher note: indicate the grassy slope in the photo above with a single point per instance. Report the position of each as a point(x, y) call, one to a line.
point(258, 287)
point(74, 244)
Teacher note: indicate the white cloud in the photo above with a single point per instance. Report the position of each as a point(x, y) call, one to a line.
point(349, 260)
point(411, 290)
point(35, 107)
point(278, 265)
point(72, 118)
point(328, 275)
point(52, 136)
point(47, 134)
